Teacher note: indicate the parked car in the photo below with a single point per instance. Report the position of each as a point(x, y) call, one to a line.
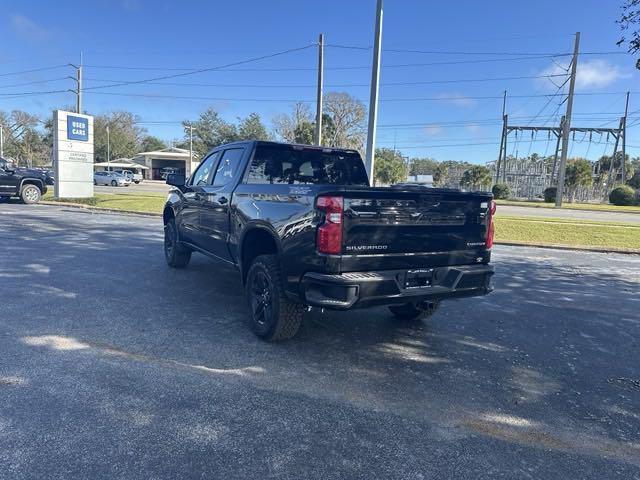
point(25, 183)
point(303, 227)
point(133, 177)
point(110, 178)
point(165, 172)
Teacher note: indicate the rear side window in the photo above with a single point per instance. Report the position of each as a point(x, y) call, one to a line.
point(228, 167)
point(203, 173)
point(294, 165)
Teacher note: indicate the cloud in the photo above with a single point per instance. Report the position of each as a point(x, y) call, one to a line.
point(27, 28)
point(595, 73)
point(473, 128)
point(433, 130)
point(457, 99)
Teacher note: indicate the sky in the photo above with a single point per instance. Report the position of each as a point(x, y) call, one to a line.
point(428, 106)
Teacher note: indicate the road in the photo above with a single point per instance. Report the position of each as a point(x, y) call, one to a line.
point(568, 214)
point(114, 366)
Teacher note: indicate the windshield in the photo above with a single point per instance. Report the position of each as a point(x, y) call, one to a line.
point(298, 165)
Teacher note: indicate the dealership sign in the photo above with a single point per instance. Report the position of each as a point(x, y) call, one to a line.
point(77, 128)
point(73, 154)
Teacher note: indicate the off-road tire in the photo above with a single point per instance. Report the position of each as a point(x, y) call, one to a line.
point(30, 194)
point(411, 312)
point(273, 316)
point(176, 254)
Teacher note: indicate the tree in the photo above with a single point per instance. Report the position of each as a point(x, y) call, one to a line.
point(24, 139)
point(423, 166)
point(209, 131)
point(635, 178)
point(389, 166)
point(252, 128)
point(152, 144)
point(297, 127)
point(124, 137)
point(476, 177)
point(605, 165)
point(579, 173)
point(346, 124)
point(629, 21)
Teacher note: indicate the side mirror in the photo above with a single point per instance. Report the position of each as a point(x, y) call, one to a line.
point(176, 180)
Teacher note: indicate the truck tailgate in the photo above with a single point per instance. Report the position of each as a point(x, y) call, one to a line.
point(386, 228)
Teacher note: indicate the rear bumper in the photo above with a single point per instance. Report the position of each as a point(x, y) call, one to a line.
point(365, 289)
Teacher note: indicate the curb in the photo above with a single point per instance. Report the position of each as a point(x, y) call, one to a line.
point(98, 209)
point(569, 209)
point(554, 246)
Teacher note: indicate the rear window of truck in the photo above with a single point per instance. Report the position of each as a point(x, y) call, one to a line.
point(295, 165)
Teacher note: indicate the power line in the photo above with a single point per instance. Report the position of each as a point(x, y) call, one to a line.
point(292, 69)
point(442, 52)
point(35, 82)
point(207, 69)
point(186, 97)
point(33, 70)
point(549, 101)
point(466, 52)
point(340, 85)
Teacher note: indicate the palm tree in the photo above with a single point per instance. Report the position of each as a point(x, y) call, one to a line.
point(477, 177)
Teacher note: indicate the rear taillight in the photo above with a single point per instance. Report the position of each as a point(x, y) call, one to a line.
point(329, 239)
point(490, 225)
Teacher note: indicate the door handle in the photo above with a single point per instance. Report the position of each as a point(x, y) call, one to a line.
point(222, 200)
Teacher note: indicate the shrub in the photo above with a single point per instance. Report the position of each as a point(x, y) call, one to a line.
point(550, 194)
point(623, 195)
point(501, 191)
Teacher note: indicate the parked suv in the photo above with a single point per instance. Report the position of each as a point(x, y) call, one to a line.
point(304, 228)
point(25, 183)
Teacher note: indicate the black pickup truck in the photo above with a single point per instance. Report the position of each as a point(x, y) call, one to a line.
point(25, 183)
point(305, 229)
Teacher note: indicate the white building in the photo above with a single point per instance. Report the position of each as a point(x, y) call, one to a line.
point(176, 160)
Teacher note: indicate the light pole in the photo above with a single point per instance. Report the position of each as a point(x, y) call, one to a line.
point(373, 100)
point(108, 149)
point(318, 132)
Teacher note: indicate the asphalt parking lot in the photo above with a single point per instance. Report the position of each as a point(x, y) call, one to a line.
point(114, 366)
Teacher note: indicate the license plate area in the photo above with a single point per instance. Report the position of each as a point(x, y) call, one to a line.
point(413, 279)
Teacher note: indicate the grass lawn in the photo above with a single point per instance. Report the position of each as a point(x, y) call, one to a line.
point(558, 231)
point(573, 206)
point(533, 230)
point(143, 203)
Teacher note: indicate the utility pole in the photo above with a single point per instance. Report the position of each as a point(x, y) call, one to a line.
point(611, 179)
point(373, 100)
point(567, 124)
point(503, 138)
point(78, 80)
point(2, 141)
point(624, 139)
point(79, 95)
point(320, 87)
